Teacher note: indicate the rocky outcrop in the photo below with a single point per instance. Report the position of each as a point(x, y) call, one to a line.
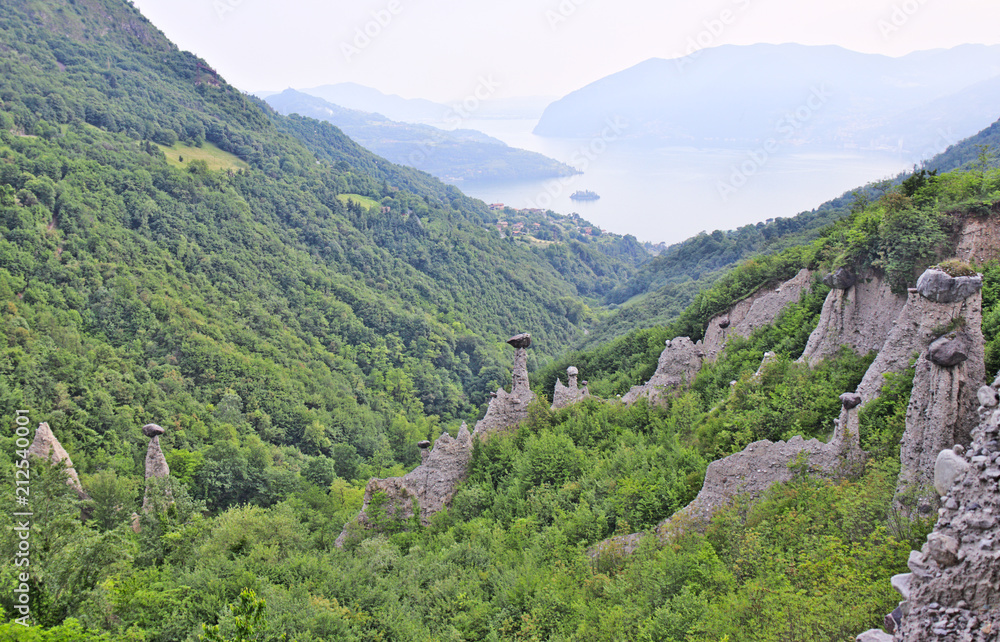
point(428, 488)
point(756, 468)
point(425, 490)
point(679, 363)
point(507, 409)
point(763, 463)
point(757, 310)
point(953, 589)
point(949, 373)
point(979, 239)
point(940, 287)
point(45, 446)
point(919, 323)
point(840, 279)
point(156, 463)
point(769, 357)
point(571, 393)
point(857, 316)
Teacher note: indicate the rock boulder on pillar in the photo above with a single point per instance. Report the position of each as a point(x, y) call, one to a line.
point(940, 287)
point(507, 409)
point(563, 396)
point(949, 350)
point(841, 279)
point(156, 464)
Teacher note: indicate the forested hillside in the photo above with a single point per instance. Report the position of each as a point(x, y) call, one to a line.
point(509, 559)
point(118, 232)
point(172, 252)
point(297, 313)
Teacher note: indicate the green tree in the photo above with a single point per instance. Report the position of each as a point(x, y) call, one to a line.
point(249, 621)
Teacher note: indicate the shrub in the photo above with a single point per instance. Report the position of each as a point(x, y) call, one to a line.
point(956, 267)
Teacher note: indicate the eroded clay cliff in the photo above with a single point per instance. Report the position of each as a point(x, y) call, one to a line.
point(682, 358)
point(979, 238)
point(429, 488)
point(757, 467)
point(942, 406)
point(424, 491)
point(927, 314)
point(45, 446)
point(757, 310)
point(939, 320)
point(678, 364)
point(857, 315)
point(750, 472)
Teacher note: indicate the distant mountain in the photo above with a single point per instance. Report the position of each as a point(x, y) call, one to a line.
point(794, 94)
point(417, 110)
point(354, 96)
point(452, 156)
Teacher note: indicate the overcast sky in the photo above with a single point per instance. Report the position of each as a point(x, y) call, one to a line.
point(441, 49)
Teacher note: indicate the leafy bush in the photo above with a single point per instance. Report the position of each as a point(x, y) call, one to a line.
point(956, 267)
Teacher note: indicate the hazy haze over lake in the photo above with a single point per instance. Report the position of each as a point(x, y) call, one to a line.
point(671, 193)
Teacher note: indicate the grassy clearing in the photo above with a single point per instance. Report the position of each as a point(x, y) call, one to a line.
point(212, 155)
point(363, 201)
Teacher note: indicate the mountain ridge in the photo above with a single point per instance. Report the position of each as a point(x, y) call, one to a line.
point(451, 155)
point(664, 101)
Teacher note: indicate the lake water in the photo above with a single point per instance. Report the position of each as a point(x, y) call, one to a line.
point(671, 193)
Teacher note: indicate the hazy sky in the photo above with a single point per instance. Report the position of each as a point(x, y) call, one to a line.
point(444, 49)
